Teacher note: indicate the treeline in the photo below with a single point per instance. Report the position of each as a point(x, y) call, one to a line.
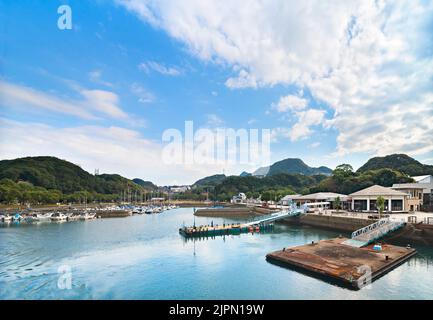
point(24, 192)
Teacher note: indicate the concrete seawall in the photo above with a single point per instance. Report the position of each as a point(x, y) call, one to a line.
point(344, 224)
point(413, 234)
point(232, 212)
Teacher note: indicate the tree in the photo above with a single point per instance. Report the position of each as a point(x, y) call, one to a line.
point(337, 203)
point(380, 204)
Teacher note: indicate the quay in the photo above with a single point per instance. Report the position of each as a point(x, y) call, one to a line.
point(335, 262)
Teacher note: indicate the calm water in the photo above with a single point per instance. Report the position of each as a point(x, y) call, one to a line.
point(143, 257)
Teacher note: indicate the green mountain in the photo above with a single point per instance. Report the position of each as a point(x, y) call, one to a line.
point(294, 165)
point(148, 185)
point(210, 181)
point(245, 174)
point(55, 174)
point(400, 162)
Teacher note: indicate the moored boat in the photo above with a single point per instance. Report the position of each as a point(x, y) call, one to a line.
point(58, 216)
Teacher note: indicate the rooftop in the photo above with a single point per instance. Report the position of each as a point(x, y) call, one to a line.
point(419, 178)
point(377, 190)
point(315, 196)
point(409, 185)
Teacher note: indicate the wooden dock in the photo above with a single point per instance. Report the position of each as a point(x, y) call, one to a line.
point(345, 265)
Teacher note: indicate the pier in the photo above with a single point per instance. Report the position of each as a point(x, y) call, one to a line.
point(257, 225)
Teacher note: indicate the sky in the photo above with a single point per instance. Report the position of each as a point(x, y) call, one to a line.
point(334, 82)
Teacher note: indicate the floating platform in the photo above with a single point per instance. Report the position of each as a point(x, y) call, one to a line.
point(341, 264)
point(220, 230)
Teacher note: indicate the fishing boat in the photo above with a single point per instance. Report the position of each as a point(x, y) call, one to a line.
point(58, 217)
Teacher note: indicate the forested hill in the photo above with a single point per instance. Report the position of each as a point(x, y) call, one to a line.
point(55, 174)
point(400, 162)
point(295, 165)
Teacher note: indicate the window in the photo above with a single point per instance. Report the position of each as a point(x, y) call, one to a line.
point(360, 205)
point(396, 205)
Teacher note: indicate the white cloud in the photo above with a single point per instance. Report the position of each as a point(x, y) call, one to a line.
point(368, 60)
point(290, 103)
point(13, 95)
point(302, 129)
point(143, 95)
point(91, 106)
point(96, 77)
point(158, 67)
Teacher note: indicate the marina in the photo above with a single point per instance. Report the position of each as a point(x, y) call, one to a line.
point(75, 214)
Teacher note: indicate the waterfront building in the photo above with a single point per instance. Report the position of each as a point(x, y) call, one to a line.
point(365, 199)
point(319, 197)
point(426, 182)
point(414, 193)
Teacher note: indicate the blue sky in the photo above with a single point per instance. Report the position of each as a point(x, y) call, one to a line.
point(336, 83)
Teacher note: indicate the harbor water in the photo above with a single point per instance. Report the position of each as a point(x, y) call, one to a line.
point(144, 257)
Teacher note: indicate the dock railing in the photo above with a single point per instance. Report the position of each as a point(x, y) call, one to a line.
point(377, 230)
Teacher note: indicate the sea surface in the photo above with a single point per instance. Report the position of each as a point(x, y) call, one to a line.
point(144, 257)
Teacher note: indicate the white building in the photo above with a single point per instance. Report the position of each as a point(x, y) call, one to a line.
point(240, 198)
point(317, 197)
point(423, 179)
point(365, 199)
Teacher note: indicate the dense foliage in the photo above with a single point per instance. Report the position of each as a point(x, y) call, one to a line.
point(50, 180)
point(400, 162)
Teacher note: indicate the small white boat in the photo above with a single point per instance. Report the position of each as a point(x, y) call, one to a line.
point(5, 218)
point(87, 216)
point(58, 216)
point(148, 211)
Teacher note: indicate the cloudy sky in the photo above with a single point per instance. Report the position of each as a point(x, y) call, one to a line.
point(335, 81)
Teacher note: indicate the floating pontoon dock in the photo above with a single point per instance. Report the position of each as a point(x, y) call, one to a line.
point(335, 262)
